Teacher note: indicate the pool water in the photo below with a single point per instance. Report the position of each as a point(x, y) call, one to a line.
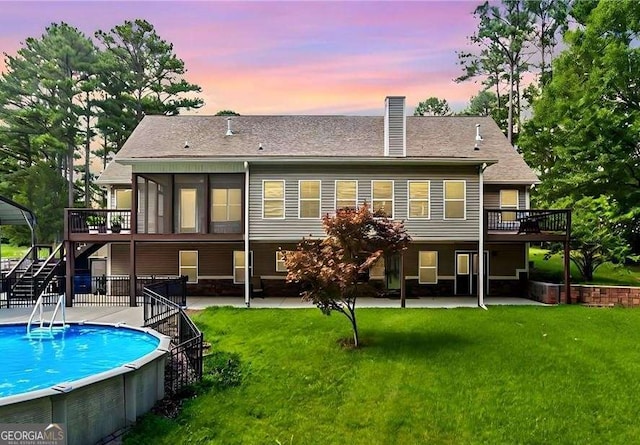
point(37, 362)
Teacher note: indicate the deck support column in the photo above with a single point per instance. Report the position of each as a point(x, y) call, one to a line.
point(567, 261)
point(480, 284)
point(403, 293)
point(132, 243)
point(70, 252)
point(132, 274)
point(247, 252)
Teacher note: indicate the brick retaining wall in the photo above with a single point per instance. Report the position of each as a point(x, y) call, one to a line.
point(549, 293)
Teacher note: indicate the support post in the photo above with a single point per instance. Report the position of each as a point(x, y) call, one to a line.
point(247, 252)
point(567, 260)
point(132, 274)
point(480, 284)
point(132, 243)
point(70, 251)
point(403, 294)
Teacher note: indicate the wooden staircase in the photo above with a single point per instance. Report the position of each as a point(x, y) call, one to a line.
point(33, 275)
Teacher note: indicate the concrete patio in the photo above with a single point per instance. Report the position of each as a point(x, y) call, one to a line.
point(134, 316)
point(297, 303)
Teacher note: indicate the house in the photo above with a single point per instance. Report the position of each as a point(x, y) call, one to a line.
point(217, 198)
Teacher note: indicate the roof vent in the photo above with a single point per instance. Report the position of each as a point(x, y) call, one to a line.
point(186, 144)
point(478, 138)
point(229, 132)
point(260, 146)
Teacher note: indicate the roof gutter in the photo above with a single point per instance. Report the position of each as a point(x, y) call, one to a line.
point(316, 160)
point(513, 182)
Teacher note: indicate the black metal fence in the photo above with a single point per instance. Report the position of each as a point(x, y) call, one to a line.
point(103, 290)
point(106, 290)
point(184, 366)
point(21, 292)
point(527, 221)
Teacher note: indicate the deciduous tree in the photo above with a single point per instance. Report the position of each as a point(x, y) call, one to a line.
point(597, 233)
point(329, 269)
point(226, 113)
point(583, 137)
point(433, 107)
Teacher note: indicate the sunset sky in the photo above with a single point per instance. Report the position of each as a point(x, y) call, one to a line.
point(287, 57)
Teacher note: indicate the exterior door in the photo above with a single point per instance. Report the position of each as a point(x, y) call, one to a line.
point(463, 273)
point(392, 272)
point(98, 276)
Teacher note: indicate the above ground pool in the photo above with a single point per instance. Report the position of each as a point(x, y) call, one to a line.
point(36, 361)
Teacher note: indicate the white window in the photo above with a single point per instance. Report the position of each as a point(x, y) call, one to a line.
point(455, 194)
point(346, 194)
point(238, 266)
point(273, 199)
point(280, 266)
point(309, 199)
point(382, 197)
point(376, 272)
point(419, 199)
point(226, 205)
point(427, 267)
point(189, 265)
point(509, 200)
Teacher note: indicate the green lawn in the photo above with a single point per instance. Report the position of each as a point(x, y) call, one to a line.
point(14, 252)
point(552, 270)
point(529, 375)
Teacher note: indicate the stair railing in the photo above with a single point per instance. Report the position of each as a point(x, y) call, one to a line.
point(20, 265)
point(39, 308)
point(40, 280)
point(50, 258)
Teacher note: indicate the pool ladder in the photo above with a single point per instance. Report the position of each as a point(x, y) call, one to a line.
point(39, 326)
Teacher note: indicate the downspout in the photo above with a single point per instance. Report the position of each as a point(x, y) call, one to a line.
point(247, 280)
point(527, 206)
point(481, 283)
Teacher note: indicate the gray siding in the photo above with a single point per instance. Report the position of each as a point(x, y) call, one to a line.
point(293, 228)
point(395, 126)
point(492, 195)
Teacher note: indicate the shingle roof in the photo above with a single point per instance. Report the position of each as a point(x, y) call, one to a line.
point(357, 137)
point(115, 173)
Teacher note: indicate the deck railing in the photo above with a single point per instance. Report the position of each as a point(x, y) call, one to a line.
point(98, 220)
point(184, 366)
point(527, 221)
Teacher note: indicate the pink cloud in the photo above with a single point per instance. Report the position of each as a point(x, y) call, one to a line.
point(287, 57)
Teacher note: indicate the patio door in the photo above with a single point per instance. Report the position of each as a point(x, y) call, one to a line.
point(467, 272)
point(463, 273)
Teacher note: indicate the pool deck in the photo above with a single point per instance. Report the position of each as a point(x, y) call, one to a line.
point(133, 316)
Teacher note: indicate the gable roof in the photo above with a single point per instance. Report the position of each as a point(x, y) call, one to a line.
point(353, 138)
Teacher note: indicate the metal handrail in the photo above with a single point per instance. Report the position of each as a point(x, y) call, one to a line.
point(548, 220)
point(27, 256)
point(170, 319)
point(40, 284)
point(40, 306)
point(49, 258)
